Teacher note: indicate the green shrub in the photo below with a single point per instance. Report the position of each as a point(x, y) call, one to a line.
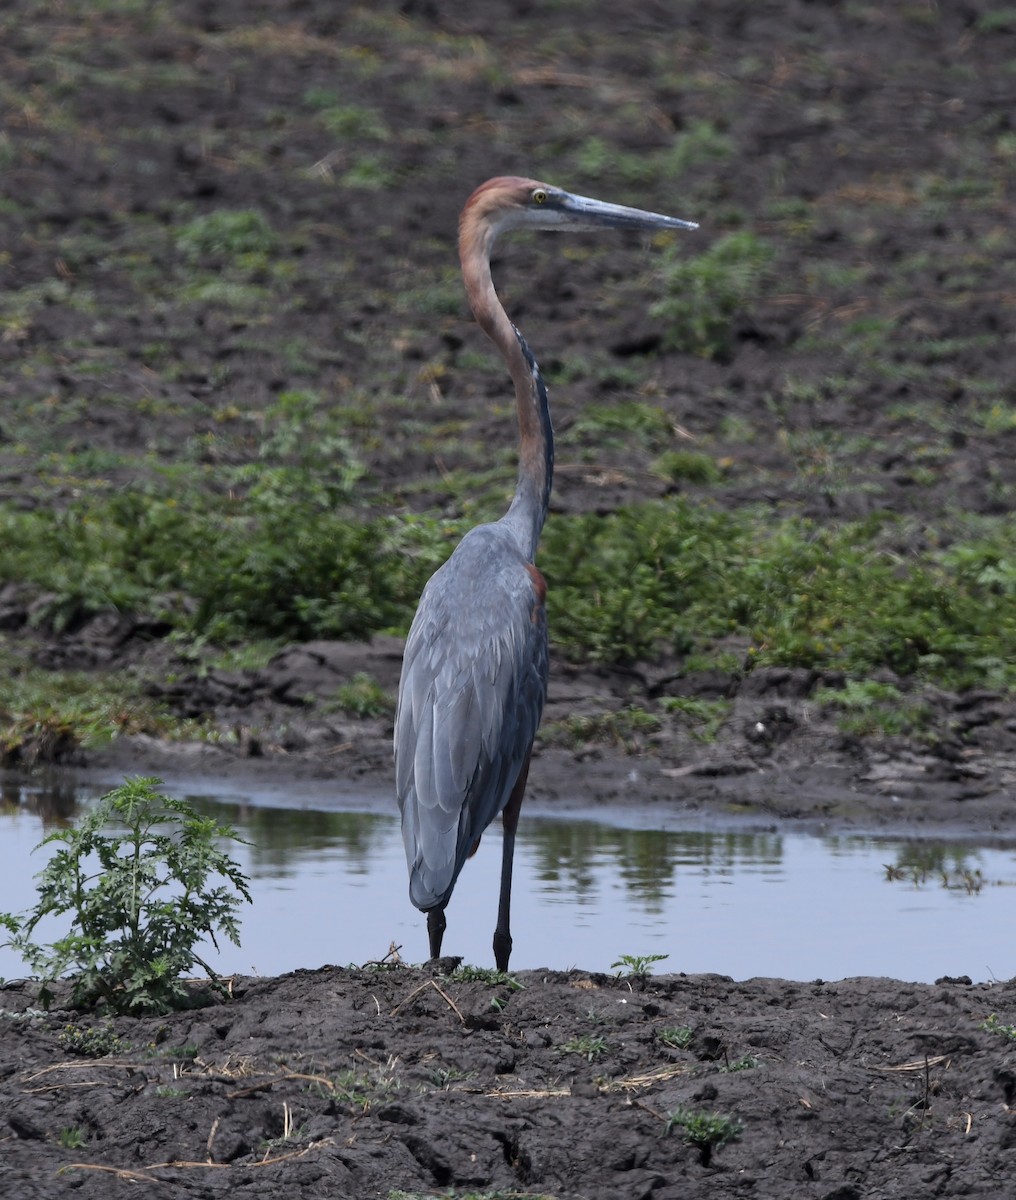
point(292, 558)
point(138, 900)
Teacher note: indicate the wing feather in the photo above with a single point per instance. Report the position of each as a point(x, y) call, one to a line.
point(474, 680)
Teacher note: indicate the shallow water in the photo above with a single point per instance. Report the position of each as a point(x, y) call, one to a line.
point(330, 887)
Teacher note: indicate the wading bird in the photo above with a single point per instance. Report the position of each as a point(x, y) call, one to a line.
point(474, 676)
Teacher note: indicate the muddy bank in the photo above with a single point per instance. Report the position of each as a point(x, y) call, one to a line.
point(358, 1083)
point(777, 756)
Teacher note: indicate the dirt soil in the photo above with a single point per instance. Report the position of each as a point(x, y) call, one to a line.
point(352, 1083)
point(356, 1083)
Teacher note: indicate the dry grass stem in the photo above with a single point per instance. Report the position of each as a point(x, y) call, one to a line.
point(422, 988)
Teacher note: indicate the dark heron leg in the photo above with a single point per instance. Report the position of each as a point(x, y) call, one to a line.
point(435, 930)
point(510, 819)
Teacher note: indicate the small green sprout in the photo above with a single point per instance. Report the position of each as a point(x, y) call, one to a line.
point(636, 966)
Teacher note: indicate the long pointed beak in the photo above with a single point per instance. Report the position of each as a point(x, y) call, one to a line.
point(582, 212)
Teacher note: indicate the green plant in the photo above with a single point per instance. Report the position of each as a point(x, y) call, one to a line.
point(997, 20)
point(869, 706)
point(139, 900)
point(707, 1132)
point(95, 1042)
point(587, 1045)
point(605, 425)
point(705, 716)
point(747, 1062)
point(289, 1131)
point(705, 293)
point(994, 1025)
point(623, 728)
point(470, 974)
point(348, 122)
point(444, 1077)
point(370, 172)
point(225, 236)
point(364, 697)
point(44, 716)
point(688, 466)
point(281, 563)
point(358, 1089)
point(677, 1038)
point(72, 1138)
point(636, 966)
point(701, 142)
point(623, 585)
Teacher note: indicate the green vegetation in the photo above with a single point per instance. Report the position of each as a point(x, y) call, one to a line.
point(137, 877)
point(280, 563)
point(222, 238)
point(707, 1132)
point(589, 1046)
point(706, 292)
point(284, 563)
point(700, 144)
point(636, 966)
point(673, 574)
point(185, 1054)
point(349, 122)
point(364, 697)
point(72, 1138)
point(358, 1090)
point(443, 1077)
point(91, 1042)
point(703, 716)
point(228, 407)
point(620, 423)
point(470, 974)
point(45, 716)
point(676, 1038)
point(993, 1025)
point(867, 706)
point(747, 1062)
point(687, 466)
point(624, 728)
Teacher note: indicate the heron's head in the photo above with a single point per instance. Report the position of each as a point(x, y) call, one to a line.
point(510, 202)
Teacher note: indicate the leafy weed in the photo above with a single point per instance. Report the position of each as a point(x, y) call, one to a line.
point(138, 901)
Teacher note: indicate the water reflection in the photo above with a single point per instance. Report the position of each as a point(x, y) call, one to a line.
point(568, 856)
point(330, 886)
point(283, 840)
point(55, 803)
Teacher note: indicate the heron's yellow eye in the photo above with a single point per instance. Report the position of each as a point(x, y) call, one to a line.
point(539, 196)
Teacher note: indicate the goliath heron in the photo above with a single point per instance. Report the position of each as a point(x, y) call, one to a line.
point(474, 676)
